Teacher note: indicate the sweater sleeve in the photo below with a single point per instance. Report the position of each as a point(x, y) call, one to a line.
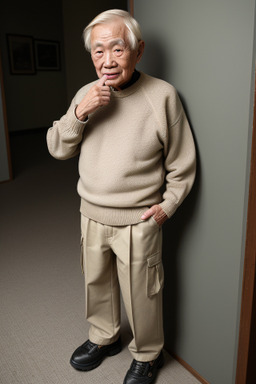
point(179, 160)
point(64, 137)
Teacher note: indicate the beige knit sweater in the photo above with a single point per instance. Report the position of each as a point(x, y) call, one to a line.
point(128, 150)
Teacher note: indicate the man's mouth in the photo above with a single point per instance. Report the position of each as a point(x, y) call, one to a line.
point(111, 76)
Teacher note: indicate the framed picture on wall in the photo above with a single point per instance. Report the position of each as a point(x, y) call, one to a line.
point(21, 54)
point(47, 54)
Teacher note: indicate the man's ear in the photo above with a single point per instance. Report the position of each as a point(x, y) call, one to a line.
point(140, 50)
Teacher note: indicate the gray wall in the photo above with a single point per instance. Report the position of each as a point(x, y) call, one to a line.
point(32, 101)
point(206, 49)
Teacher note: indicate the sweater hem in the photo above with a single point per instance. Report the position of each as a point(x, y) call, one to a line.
point(112, 216)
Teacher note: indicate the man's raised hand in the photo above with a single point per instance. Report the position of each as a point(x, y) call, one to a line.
point(98, 96)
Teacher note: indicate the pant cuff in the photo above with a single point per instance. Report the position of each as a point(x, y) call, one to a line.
point(145, 357)
point(102, 341)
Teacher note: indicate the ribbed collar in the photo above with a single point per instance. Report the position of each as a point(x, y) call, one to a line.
point(130, 87)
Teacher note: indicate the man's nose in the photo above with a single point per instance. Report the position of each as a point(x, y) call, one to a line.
point(109, 59)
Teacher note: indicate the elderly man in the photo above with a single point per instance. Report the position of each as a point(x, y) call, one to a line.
point(133, 137)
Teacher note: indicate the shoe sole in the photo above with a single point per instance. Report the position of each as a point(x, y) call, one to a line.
point(90, 367)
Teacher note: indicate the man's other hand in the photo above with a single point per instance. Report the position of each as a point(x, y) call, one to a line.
point(158, 214)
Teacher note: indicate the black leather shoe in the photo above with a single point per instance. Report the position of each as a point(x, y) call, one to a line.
point(89, 355)
point(144, 373)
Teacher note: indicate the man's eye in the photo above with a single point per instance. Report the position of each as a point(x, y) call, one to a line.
point(98, 52)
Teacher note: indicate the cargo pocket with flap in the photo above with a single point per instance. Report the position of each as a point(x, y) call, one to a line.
point(155, 274)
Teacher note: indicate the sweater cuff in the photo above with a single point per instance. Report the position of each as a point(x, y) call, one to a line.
point(80, 121)
point(168, 207)
point(71, 125)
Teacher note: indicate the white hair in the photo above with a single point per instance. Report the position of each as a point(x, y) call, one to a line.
point(134, 33)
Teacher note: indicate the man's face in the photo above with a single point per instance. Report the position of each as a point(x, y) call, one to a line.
point(111, 53)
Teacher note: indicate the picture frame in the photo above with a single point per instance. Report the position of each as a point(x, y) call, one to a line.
point(47, 55)
point(21, 54)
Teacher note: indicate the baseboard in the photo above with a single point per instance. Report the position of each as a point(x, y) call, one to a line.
point(189, 368)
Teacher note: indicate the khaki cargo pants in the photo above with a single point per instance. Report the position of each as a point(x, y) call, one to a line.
point(128, 257)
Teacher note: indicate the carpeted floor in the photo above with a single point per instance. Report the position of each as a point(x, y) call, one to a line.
point(41, 285)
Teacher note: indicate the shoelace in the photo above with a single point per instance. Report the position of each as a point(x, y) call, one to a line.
point(89, 345)
point(140, 368)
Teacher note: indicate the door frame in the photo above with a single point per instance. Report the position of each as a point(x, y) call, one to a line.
point(131, 7)
point(246, 371)
point(4, 122)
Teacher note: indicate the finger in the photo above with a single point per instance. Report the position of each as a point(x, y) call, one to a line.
point(150, 212)
point(105, 90)
point(102, 80)
point(105, 101)
point(106, 98)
